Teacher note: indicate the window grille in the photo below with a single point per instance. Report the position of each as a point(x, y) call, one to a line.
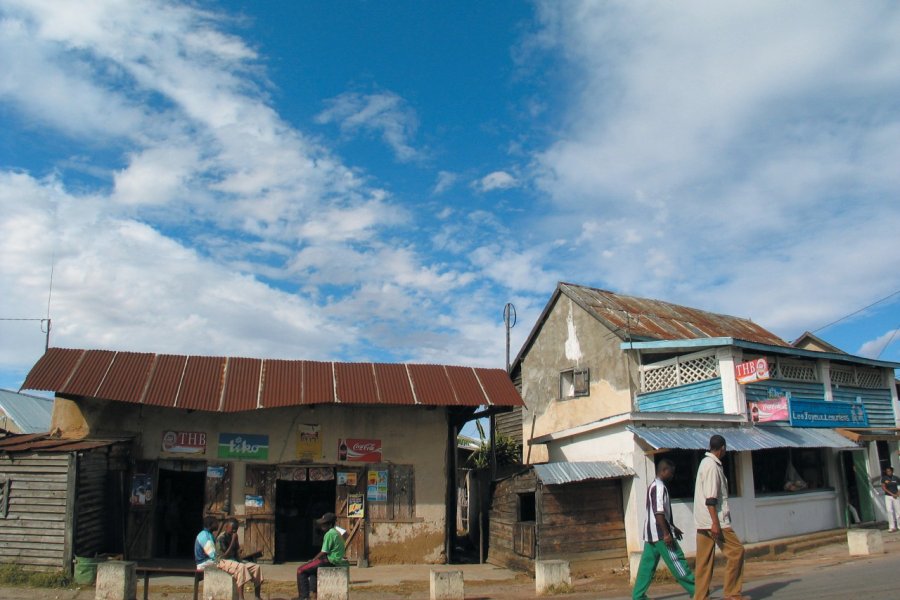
point(797, 370)
point(574, 383)
point(869, 378)
point(857, 377)
point(842, 376)
point(680, 370)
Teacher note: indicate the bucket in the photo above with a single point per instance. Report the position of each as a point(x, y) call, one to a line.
point(86, 569)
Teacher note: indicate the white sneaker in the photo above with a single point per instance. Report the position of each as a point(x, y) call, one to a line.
point(892, 530)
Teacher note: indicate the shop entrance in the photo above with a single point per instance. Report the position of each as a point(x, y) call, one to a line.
point(856, 482)
point(179, 511)
point(297, 505)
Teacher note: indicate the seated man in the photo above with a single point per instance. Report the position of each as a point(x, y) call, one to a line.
point(332, 555)
point(206, 556)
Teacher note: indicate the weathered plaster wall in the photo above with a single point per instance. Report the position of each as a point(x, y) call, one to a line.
point(410, 436)
point(570, 338)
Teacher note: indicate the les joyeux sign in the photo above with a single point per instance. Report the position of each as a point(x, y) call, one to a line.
point(752, 370)
point(356, 450)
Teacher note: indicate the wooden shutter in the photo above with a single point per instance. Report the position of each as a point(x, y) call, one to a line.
point(355, 538)
point(139, 533)
point(259, 535)
point(218, 491)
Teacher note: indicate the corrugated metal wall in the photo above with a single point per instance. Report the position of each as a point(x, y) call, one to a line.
point(33, 534)
point(91, 511)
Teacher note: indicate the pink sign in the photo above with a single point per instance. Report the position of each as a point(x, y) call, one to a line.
point(359, 450)
point(752, 370)
point(773, 409)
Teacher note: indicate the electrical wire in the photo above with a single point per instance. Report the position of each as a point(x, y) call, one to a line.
point(888, 343)
point(856, 312)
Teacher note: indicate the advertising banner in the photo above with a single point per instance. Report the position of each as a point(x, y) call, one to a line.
point(243, 446)
point(377, 488)
point(808, 413)
point(356, 450)
point(771, 409)
point(346, 478)
point(752, 370)
point(141, 489)
point(184, 442)
point(309, 442)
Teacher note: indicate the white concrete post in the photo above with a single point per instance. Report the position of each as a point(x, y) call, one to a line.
point(116, 580)
point(733, 396)
point(447, 585)
point(333, 583)
point(862, 542)
point(550, 575)
point(218, 585)
point(824, 368)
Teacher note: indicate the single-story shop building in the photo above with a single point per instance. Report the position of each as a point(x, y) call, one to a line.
point(276, 443)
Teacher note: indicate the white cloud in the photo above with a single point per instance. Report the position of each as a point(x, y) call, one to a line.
point(733, 156)
point(385, 113)
point(873, 348)
point(497, 180)
point(445, 180)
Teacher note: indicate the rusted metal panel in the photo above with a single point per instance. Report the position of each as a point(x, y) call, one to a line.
point(282, 383)
point(498, 387)
point(89, 373)
point(52, 370)
point(393, 384)
point(164, 382)
point(42, 442)
point(201, 388)
point(643, 318)
point(356, 383)
point(318, 382)
point(126, 377)
point(241, 384)
point(432, 386)
point(465, 385)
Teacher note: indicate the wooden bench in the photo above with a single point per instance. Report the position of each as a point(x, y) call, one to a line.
point(176, 570)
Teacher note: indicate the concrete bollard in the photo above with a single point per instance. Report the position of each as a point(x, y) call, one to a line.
point(550, 575)
point(862, 542)
point(218, 585)
point(333, 583)
point(116, 580)
point(447, 585)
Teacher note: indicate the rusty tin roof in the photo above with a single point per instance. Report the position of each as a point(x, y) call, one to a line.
point(227, 384)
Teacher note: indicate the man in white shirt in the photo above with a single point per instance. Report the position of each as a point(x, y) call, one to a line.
point(661, 537)
point(712, 518)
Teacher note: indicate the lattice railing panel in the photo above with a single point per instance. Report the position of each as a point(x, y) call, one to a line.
point(798, 371)
point(869, 378)
point(698, 369)
point(679, 371)
point(659, 378)
point(842, 376)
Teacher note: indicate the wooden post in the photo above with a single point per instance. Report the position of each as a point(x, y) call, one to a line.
point(69, 542)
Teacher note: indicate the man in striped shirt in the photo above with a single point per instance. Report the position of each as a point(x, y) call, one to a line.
point(661, 537)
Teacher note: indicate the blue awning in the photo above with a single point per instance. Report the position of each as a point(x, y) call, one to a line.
point(570, 472)
point(742, 438)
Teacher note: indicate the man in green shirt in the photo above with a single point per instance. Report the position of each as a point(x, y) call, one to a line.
point(332, 555)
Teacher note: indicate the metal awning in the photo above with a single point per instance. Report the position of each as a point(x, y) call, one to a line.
point(871, 435)
point(742, 438)
point(570, 472)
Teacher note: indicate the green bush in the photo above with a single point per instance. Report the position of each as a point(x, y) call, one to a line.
point(17, 576)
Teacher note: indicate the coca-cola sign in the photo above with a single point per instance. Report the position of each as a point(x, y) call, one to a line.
point(356, 450)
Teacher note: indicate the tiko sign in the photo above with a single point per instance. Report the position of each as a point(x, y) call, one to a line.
point(243, 445)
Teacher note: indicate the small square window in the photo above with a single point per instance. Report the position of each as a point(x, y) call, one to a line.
point(574, 383)
point(527, 507)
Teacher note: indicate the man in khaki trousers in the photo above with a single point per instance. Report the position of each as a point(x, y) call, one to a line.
point(713, 521)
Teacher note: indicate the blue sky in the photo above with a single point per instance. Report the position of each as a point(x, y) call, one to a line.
point(374, 181)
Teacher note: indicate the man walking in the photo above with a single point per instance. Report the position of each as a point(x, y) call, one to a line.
point(889, 484)
point(660, 537)
point(712, 518)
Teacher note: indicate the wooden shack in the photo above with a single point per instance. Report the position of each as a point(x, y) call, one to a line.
point(58, 499)
point(570, 511)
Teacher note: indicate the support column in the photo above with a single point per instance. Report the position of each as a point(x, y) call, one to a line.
point(824, 368)
point(733, 396)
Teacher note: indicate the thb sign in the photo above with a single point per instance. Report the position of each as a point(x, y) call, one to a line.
point(752, 370)
point(184, 442)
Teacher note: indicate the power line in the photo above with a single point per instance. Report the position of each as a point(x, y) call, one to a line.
point(890, 339)
point(856, 312)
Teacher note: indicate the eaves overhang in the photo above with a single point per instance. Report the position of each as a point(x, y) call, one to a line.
point(638, 417)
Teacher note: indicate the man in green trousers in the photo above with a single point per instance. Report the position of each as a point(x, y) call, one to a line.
point(661, 537)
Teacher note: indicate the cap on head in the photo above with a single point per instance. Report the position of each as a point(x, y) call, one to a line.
point(326, 519)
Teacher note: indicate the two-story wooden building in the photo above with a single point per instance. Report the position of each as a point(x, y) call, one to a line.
point(618, 379)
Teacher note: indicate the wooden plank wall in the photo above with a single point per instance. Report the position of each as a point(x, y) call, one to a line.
point(581, 517)
point(503, 518)
point(33, 534)
point(91, 504)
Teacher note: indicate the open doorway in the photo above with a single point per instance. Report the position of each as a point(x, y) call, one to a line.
point(179, 512)
point(297, 505)
point(856, 482)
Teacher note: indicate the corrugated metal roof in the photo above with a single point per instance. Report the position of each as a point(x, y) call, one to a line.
point(42, 442)
point(569, 472)
point(742, 438)
point(30, 413)
point(239, 384)
point(643, 318)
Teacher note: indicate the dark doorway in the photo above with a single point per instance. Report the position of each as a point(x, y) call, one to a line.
point(297, 505)
point(856, 480)
point(884, 455)
point(179, 512)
